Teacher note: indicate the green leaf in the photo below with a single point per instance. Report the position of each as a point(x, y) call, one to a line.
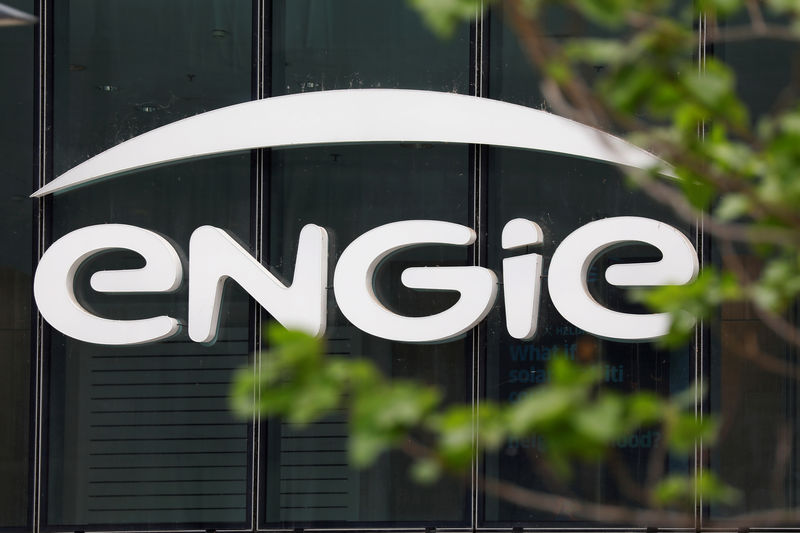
point(602, 421)
point(596, 51)
point(364, 447)
point(733, 206)
point(690, 302)
point(426, 471)
point(686, 430)
point(680, 489)
point(543, 405)
point(444, 16)
point(607, 12)
point(455, 444)
point(644, 408)
point(719, 7)
point(674, 489)
point(492, 426)
point(713, 490)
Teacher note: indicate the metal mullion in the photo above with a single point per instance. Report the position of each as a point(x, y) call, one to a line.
point(43, 79)
point(477, 153)
point(262, 89)
point(699, 337)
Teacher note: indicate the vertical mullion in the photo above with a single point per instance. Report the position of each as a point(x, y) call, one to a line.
point(43, 80)
point(477, 87)
point(700, 329)
point(262, 89)
point(257, 243)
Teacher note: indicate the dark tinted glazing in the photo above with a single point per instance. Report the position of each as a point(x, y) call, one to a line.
point(142, 434)
point(754, 387)
point(16, 213)
point(356, 44)
point(561, 194)
point(350, 190)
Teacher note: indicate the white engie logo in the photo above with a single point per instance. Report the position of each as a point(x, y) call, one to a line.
point(360, 116)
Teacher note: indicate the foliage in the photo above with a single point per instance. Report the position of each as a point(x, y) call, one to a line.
point(738, 174)
point(634, 72)
point(640, 71)
point(571, 413)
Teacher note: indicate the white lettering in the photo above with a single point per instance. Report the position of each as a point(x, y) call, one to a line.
point(214, 256)
point(522, 277)
point(355, 294)
point(571, 261)
point(53, 285)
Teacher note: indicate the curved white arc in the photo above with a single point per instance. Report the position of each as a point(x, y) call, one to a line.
point(356, 116)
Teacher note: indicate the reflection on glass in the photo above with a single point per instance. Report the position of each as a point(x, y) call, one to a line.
point(142, 434)
point(16, 177)
point(349, 190)
point(562, 194)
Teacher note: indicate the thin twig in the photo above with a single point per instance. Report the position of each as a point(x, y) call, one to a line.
point(732, 34)
point(736, 232)
point(756, 16)
point(779, 325)
point(625, 482)
point(658, 456)
point(783, 454)
point(597, 512)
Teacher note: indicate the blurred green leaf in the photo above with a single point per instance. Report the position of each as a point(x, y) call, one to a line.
point(426, 471)
point(687, 430)
point(444, 16)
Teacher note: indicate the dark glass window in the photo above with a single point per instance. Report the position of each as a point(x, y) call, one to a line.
point(754, 387)
point(561, 194)
point(16, 213)
point(143, 434)
point(350, 190)
point(355, 44)
point(140, 437)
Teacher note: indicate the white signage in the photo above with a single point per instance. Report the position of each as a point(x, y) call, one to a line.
point(356, 116)
point(215, 256)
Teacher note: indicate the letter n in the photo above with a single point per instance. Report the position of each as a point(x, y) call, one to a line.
point(214, 256)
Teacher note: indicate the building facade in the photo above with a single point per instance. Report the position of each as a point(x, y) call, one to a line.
point(140, 438)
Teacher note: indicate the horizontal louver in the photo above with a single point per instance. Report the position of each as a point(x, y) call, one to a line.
point(315, 481)
point(160, 440)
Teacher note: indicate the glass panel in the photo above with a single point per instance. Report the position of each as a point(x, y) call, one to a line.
point(759, 445)
point(754, 385)
point(354, 44)
point(16, 144)
point(142, 434)
point(562, 194)
point(348, 190)
point(512, 76)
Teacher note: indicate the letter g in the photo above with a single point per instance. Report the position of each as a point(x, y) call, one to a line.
point(355, 293)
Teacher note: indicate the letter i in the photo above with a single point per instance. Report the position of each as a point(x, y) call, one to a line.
point(522, 278)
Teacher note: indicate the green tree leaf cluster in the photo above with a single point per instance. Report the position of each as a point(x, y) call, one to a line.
point(573, 414)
